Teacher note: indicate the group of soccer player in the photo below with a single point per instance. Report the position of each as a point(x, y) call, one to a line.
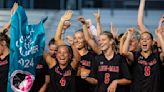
point(96, 60)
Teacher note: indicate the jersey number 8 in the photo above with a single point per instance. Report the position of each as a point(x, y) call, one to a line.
point(107, 78)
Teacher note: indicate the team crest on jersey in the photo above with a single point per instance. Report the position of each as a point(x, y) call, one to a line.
point(101, 62)
point(140, 57)
point(21, 81)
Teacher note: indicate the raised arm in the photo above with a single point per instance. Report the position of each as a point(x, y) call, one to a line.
point(125, 50)
point(98, 22)
point(114, 31)
point(140, 20)
point(6, 26)
point(160, 26)
point(122, 40)
point(161, 40)
point(76, 55)
point(58, 35)
point(88, 39)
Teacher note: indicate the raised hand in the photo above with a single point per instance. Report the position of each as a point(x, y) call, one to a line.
point(160, 26)
point(97, 15)
point(113, 30)
point(67, 16)
point(131, 30)
point(81, 19)
point(14, 8)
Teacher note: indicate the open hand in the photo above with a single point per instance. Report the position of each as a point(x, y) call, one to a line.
point(67, 16)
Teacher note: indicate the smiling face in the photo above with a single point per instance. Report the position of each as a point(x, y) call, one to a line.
point(80, 40)
point(52, 49)
point(146, 41)
point(63, 55)
point(104, 42)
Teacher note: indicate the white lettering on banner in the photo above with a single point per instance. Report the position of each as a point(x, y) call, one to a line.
point(26, 63)
point(28, 45)
point(32, 50)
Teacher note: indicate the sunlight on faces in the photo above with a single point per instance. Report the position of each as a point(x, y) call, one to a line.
point(104, 42)
point(146, 42)
point(80, 41)
point(63, 55)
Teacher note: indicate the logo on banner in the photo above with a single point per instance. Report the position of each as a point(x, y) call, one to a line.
point(21, 81)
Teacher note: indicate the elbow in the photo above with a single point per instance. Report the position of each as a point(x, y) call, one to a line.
point(96, 82)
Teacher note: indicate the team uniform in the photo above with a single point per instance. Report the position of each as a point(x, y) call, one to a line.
point(4, 66)
point(108, 70)
point(62, 80)
point(162, 76)
point(41, 72)
point(86, 62)
point(146, 73)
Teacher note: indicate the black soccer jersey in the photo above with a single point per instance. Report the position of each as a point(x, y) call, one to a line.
point(62, 80)
point(4, 66)
point(41, 71)
point(86, 62)
point(109, 70)
point(146, 73)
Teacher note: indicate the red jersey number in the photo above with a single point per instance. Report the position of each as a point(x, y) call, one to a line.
point(62, 81)
point(147, 70)
point(107, 78)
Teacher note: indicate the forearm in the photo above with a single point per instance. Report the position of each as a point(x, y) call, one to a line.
point(126, 45)
point(44, 87)
point(76, 54)
point(58, 34)
point(6, 26)
point(91, 80)
point(122, 40)
point(123, 81)
point(85, 31)
point(161, 40)
point(140, 20)
point(99, 29)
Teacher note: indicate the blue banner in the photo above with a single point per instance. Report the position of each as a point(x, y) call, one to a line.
point(26, 47)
